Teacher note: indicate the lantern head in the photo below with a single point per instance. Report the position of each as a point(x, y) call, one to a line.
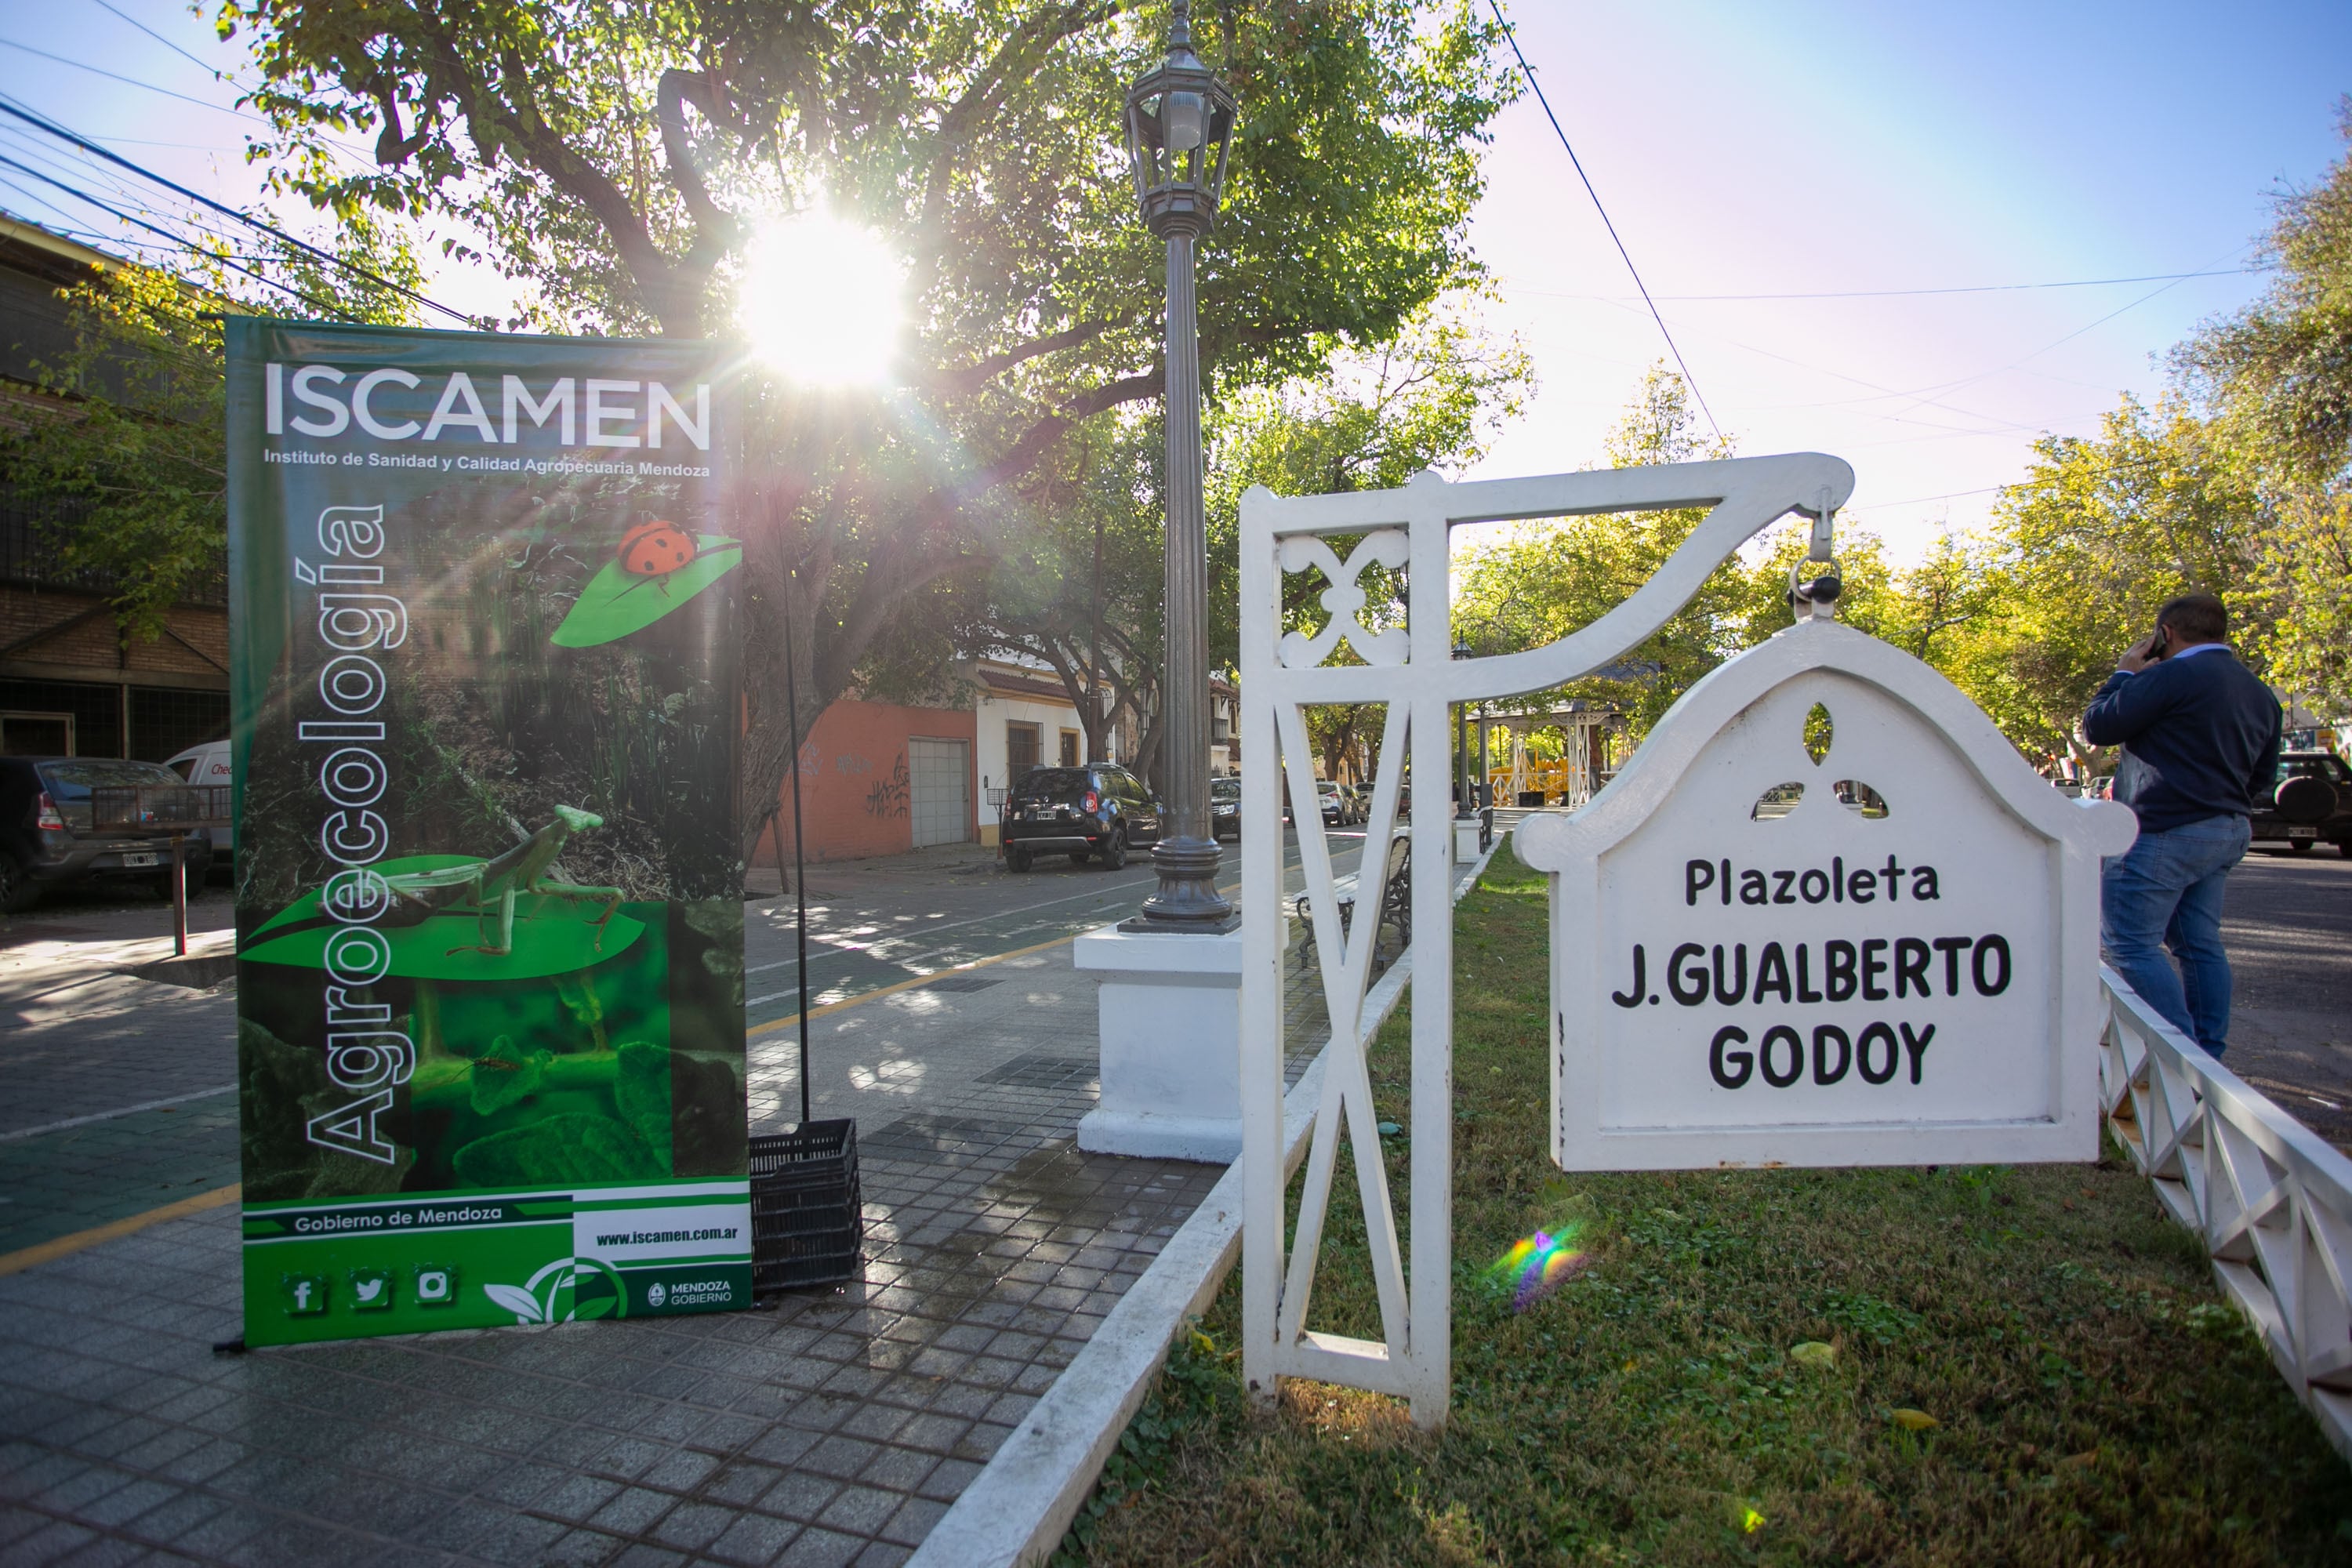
point(1179, 128)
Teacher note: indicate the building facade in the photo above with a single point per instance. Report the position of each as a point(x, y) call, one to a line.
point(73, 682)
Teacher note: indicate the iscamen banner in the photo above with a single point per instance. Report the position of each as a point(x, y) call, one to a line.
point(489, 928)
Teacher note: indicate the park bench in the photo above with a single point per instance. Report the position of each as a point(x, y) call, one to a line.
point(1395, 903)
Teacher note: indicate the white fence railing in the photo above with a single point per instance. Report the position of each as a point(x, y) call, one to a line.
point(2272, 1202)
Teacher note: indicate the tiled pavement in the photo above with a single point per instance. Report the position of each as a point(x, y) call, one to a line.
point(832, 1427)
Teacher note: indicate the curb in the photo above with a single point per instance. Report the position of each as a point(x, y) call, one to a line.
point(1016, 1510)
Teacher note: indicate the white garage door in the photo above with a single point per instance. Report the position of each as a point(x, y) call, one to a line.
point(942, 804)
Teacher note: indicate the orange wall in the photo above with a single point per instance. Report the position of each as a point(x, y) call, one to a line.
point(854, 779)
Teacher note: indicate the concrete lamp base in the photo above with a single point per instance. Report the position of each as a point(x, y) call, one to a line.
point(1170, 1022)
point(1465, 840)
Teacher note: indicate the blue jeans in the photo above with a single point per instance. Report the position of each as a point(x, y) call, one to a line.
point(2166, 888)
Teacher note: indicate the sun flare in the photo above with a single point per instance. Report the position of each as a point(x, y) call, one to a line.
point(820, 300)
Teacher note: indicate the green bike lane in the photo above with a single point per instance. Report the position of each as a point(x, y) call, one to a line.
point(109, 1153)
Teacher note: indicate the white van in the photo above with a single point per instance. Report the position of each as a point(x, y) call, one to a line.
point(209, 764)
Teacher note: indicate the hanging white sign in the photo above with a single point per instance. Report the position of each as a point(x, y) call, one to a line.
point(1887, 955)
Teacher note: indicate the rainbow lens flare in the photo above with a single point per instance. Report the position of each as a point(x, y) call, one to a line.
point(1538, 1265)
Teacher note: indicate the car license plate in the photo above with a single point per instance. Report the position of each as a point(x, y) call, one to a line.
point(2302, 832)
point(139, 859)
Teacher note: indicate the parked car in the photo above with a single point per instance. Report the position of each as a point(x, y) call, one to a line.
point(2100, 788)
point(1225, 809)
point(2310, 802)
point(1098, 812)
point(50, 836)
point(209, 764)
point(1337, 811)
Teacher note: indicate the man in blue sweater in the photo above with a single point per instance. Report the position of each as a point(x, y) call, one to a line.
point(2201, 736)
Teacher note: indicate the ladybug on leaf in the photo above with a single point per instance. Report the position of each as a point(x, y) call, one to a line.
point(654, 550)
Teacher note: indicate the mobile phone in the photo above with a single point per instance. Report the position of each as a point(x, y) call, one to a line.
point(2153, 648)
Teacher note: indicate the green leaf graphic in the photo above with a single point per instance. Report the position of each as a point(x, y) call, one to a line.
point(616, 602)
point(552, 935)
point(504, 1074)
point(572, 1148)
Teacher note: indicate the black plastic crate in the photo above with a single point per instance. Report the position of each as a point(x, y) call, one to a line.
point(808, 1222)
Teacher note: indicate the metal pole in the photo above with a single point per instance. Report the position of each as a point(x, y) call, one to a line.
point(179, 897)
point(1461, 806)
point(1486, 763)
point(1186, 857)
point(800, 863)
point(1096, 751)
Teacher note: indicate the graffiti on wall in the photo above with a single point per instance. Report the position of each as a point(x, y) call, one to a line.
point(889, 798)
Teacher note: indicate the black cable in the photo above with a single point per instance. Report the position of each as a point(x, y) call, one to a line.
point(1905, 293)
point(126, 80)
point(1511, 34)
point(311, 301)
point(305, 247)
point(215, 72)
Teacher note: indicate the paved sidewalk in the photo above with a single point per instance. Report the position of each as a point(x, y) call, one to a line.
point(833, 1427)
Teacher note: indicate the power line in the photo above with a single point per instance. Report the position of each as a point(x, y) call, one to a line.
point(1511, 34)
point(303, 245)
point(179, 240)
point(216, 71)
point(126, 80)
point(1905, 293)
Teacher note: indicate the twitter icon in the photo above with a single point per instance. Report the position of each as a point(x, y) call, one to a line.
point(370, 1290)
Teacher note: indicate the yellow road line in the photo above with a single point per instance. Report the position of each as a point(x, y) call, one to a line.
point(65, 1246)
point(791, 1018)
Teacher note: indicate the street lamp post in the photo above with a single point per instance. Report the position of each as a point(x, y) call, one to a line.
point(1179, 128)
point(1461, 806)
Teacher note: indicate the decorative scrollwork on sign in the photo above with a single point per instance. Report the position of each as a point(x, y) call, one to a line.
point(1343, 599)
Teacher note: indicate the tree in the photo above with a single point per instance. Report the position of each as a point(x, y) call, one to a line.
point(1433, 397)
point(617, 157)
point(131, 440)
point(2280, 370)
point(2278, 376)
point(2303, 596)
point(2082, 551)
point(1546, 582)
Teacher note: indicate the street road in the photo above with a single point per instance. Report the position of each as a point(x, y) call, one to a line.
point(2288, 924)
point(121, 1090)
point(881, 922)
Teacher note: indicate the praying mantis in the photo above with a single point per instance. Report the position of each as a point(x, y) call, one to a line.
point(419, 895)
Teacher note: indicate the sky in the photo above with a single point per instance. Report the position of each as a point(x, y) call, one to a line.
point(1741, 149)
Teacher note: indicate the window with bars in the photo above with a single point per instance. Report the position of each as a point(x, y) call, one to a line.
point(1021, 748)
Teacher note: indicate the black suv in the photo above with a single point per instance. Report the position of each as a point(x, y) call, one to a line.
point(1098, 811)
point(2310, 801)
point(50, 838)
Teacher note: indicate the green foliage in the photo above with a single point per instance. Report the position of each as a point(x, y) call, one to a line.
point(571, 1149)
point(616, 602)
point(642, 1093)
point(617, 159)
point(2302, 598)
point(504, 1075)
point(2280, 371)
point(1548, 581)
point(131, 441)
point(2082, 550)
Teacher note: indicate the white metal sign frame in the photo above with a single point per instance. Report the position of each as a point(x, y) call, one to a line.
point(1412, 671)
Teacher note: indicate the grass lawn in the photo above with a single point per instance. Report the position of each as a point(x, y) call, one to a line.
point(2095, 1399)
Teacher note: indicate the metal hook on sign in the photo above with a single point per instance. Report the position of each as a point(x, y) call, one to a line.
point(1817, 597)
point(1823, 515)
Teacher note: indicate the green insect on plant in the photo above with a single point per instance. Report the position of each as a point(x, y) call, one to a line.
point(418, 895)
